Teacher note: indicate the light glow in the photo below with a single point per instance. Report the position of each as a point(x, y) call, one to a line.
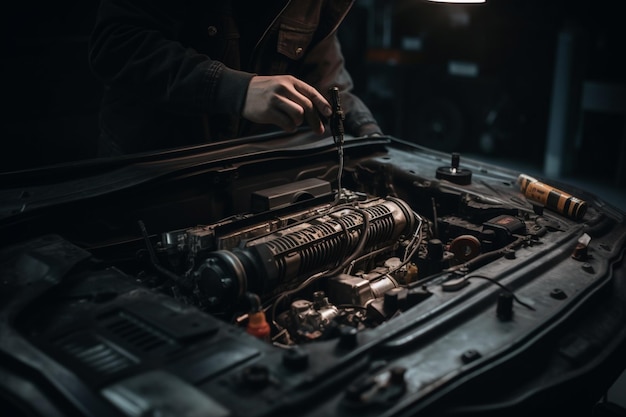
point(459, 1)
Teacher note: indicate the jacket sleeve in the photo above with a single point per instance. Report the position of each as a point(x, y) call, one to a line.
point(324, 68)
point(134, 45)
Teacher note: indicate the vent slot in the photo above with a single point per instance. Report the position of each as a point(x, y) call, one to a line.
point(95, 354)
point(138, 334)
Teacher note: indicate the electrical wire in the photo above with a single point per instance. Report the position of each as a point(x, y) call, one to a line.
point(504, 287)
point(339, 173)
point(287, 293)
point(475, 262)
point(360, 245)
point(415, 243)
point(359, 248)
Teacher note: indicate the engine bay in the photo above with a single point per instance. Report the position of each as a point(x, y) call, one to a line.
point(254, 281)
point(309, 264)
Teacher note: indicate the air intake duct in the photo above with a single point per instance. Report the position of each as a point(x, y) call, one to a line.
point(283, 258)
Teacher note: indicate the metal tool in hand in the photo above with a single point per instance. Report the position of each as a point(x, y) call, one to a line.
point(336, 126)
point(337, 117)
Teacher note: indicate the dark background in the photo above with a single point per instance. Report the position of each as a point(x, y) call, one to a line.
point(509, 79)
point(478, 79)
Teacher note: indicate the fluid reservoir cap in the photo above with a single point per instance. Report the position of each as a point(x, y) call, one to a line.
point(454, 173)
point(465, 247)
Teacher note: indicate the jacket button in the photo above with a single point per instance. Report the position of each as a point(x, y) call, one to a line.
point(212, 30)
point(299, 51)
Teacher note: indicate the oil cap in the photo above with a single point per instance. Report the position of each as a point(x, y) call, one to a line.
point(454, 173)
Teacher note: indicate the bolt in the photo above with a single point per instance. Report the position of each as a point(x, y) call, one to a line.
point(558, 294)
point(455, 160)
point(470, 356)
point(396, 375)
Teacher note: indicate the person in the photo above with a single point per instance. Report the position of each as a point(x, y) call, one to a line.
point(182, 72)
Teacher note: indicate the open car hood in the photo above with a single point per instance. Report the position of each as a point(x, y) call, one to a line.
point(265, 276)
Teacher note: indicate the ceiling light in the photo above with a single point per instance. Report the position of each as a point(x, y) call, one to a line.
point(459, 1)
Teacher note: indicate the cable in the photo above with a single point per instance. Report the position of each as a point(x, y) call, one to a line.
point(315, 277)
point(487, 256)
point(361, 244)
point(504, 287)
point(286, 293)
point(339, 175)
point(415, 243)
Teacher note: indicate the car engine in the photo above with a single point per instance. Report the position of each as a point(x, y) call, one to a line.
point(307, 270)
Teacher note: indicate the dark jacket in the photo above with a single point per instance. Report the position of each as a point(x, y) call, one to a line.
point(174, 76)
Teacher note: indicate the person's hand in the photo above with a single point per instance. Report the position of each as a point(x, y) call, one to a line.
point(286, 102)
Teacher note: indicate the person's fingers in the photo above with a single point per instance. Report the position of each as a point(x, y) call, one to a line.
point(302, 109)
point(287, 113)
point(286, 102)
point(313, 120)
point(298, 108)
point(312, 103)
point(281, 119)
point(319, 101)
